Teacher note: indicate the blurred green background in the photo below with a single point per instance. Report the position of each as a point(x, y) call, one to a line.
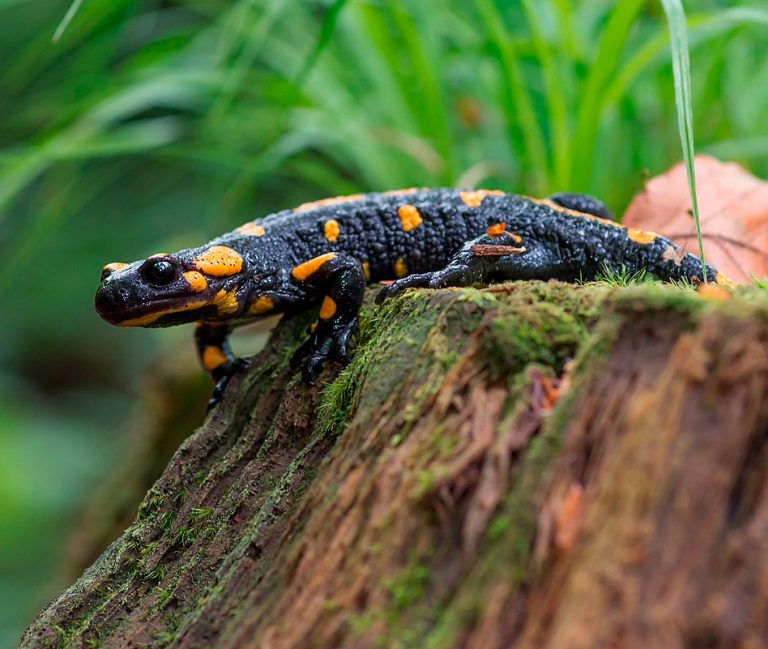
point(154, 125)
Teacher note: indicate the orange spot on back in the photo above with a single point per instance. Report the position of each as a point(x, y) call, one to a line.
point(213, 357)
point(475, 198)
point(641, 236)
point(325, 202)
point(327, 308)
point(366, 271)
point(219, 261)
point(262, 304)
point(496, 230)
point(410, 217)
point(565, 210)
point(401, 270)
point(331, 230)
point(196, 281)
point(302, 271)
point(404, 192)
point(251, 229)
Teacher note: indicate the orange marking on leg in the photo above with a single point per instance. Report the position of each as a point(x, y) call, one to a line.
point(641, 236)
point(366, 271)
point(219, 261)
point(496, 230)
point(303, 271)
point(475, 198)
point(327, 308)
point(196, 281)
point(213, 357)
point(410, 217)
point(226, 302)
point(325, 202)
point(251, 229)
point(262, 305)
point(401, 270)
point(331, 230)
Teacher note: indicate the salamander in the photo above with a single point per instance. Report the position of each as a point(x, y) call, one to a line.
point(324, 253)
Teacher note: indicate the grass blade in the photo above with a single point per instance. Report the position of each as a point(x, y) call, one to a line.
point(73, 9)
point(681, 70)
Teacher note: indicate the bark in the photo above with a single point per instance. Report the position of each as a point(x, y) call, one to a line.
point(464, 483)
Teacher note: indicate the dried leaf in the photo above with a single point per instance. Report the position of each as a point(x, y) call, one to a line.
point(734, 215)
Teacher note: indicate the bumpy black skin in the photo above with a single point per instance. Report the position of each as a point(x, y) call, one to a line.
point(449, 247)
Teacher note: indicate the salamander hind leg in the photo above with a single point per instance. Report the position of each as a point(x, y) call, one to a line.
point(486, 259)
point(336, 280)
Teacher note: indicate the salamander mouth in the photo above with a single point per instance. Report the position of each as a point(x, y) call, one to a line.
point(113, 308)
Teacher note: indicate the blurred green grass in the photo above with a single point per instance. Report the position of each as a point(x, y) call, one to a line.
point(156, 125)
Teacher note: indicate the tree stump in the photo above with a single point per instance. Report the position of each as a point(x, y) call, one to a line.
point(533, 465)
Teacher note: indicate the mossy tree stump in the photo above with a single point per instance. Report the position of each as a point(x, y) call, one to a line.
point(464, 483)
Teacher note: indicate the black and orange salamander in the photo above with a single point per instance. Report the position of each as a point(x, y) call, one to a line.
point(325, 253)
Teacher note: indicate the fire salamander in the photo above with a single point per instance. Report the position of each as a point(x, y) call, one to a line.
point(327, 251)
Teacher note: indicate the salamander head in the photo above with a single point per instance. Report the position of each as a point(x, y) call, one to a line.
point(170, 289)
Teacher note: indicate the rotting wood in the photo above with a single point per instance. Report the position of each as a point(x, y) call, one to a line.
point(430, 495)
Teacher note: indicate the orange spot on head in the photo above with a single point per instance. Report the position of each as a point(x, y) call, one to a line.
point(401, 270)
point(331, 230)
point(366, 271)
point(724, 280)
point(262, 304)
point(159, 254)
point(410, 217)
point(219, 261)
point(475, 198)
point(213, 357)
point(251, 229)
point(714, 292)
point(325, 202)
point(641, 236)
point(496, 230)
point(327, 308)
point(196, 281)
point(303, 271)
point(114, 266)
point(515, 237)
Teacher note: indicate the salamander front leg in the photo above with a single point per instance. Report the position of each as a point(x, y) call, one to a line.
point(491, 257)
point(339, 280)
point(217, 358)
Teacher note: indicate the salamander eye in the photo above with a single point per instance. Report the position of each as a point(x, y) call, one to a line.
point(159, 272)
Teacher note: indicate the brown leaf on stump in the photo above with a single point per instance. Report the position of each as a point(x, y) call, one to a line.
point(734, 215)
